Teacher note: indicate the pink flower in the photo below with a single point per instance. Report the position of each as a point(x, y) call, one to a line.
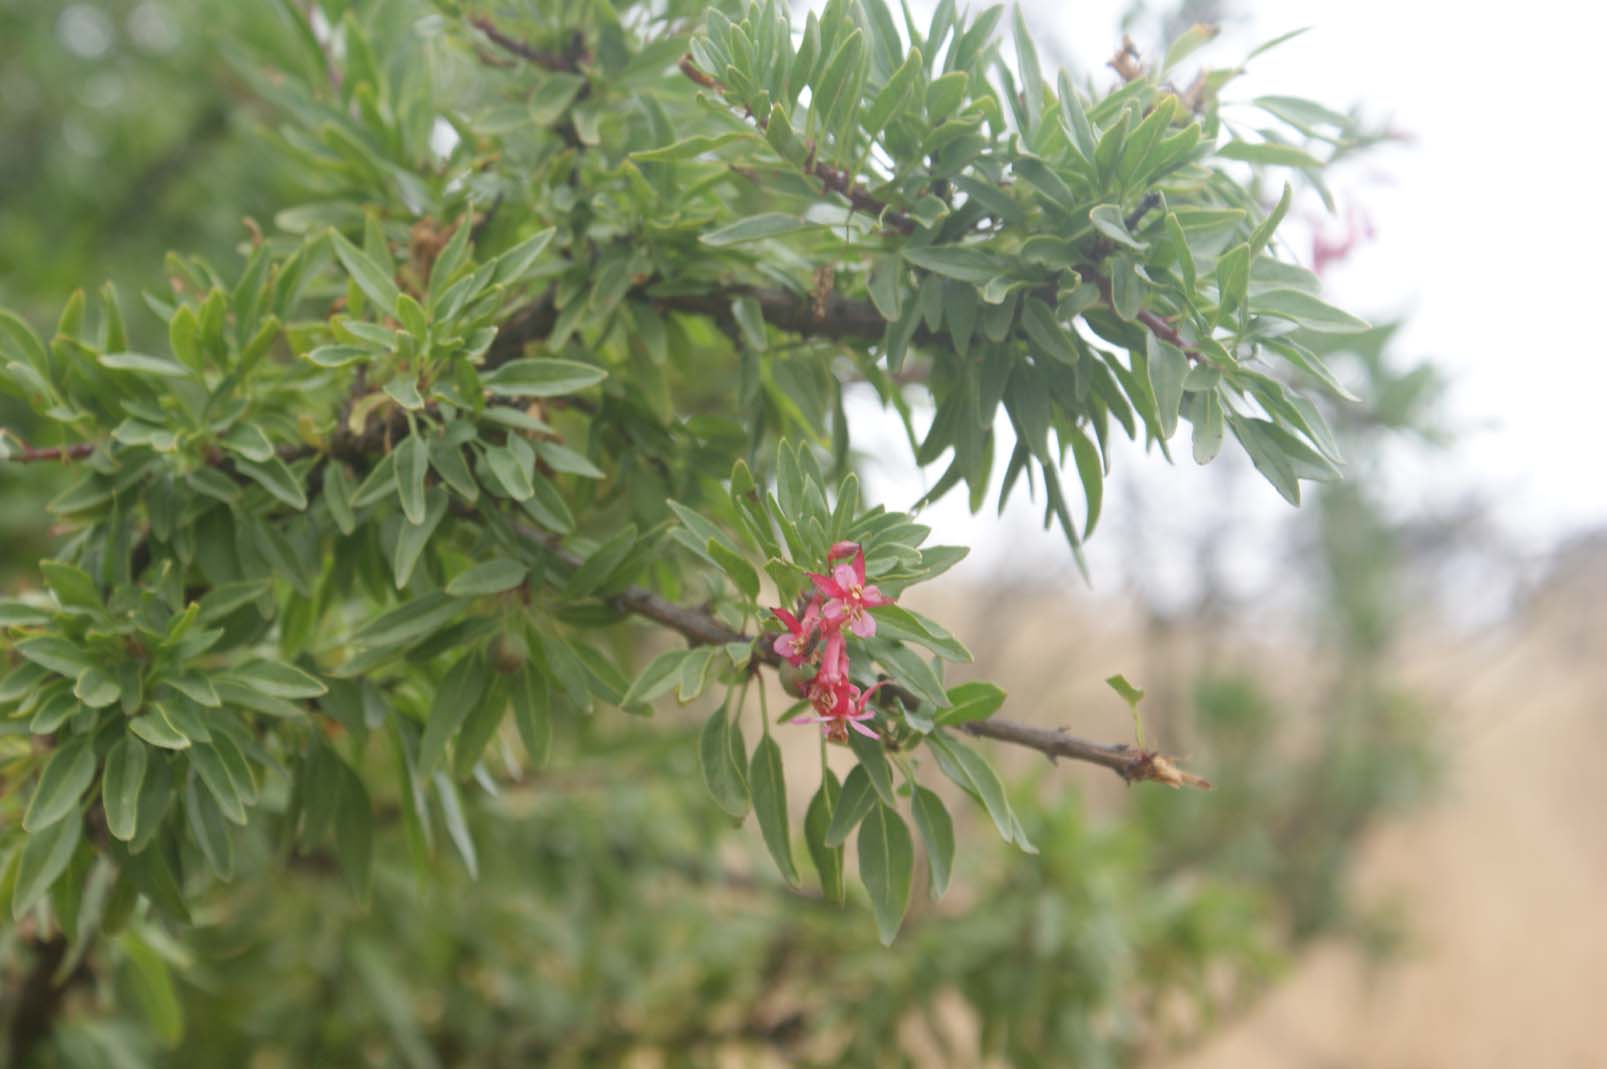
point(793, 647)
point(840, 708)
point(848, 598)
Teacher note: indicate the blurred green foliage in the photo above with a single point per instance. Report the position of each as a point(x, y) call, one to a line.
point(610, 917)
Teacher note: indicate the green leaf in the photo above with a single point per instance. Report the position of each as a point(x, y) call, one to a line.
point(736, 568)
point(1075, 119)
point(1208, 428)
point(354, 830)
point(145, 364)
point(153, 989)
point(44, 858)
point(936, 829)
point(457, 695)
point(279, 680)
point(1046, 332)
point(1107, 219)
point(412, 462)
point(370, 277)
point(208, 829)
point(1168, 367)
point(489, 577)
point(120, 787)
point(73, 587)
point(516, 263)
point(661, 673)
point(601, 563)
point(912, 672)
point(562, 459)
point(723, 758)
point(411, 539)
point(753, 228)
point(894, 93)
point(1269, 153)
point(957, 262)
point(155, 728)
point(247, 440)
point(510, 470)
point(1233, 278)
point(971, 771)
point(403, 389)
point(750, 322)
point(1189, 41)
point(1308, 311)
point(887, 867)
point(209, 765)
point(96, 689)
point(944, 95)
point(828, 859)
point(532, 713)
point(276, 478)
point(895, 621)
point(410, 622)
point(14, 613)
point(857, 799)
point(56, 654)
point(971, 701)
point(873, 759)
point(1130, 694)
point(1031, 72)
point(542, 377)
point(691, 147)
point(334, 356)
point(770, 804)
point(66, 777)
point(1092, 473)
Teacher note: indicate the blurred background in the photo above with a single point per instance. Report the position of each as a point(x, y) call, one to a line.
point(1397, 689)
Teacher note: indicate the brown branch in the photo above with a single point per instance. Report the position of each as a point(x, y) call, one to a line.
point(1156, 325)
point(38, 998)
point(701, 628)
point(552, 61)
point(832, 179)
point(27, 455)
point(1125, 62)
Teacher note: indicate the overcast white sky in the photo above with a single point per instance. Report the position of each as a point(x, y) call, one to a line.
point(1488, 236)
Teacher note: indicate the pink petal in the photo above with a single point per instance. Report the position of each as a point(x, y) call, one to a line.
point(834, 611)
point(862, 729)
point(842, 549)
point(872, 596)
point(787, 618)
point(864, 625)
point(872, 689)
point(845, 577)
point(826, 586)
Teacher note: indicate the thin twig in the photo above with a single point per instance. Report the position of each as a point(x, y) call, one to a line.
point(45, 454)
point(832, 179)
point(701, 628)
point(552, 61)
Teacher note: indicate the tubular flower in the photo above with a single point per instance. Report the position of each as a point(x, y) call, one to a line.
point(793, 647)
point(819, 640)
point(848, 599)
point(847, 710)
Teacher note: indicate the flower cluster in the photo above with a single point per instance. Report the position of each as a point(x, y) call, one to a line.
point(840, 600)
